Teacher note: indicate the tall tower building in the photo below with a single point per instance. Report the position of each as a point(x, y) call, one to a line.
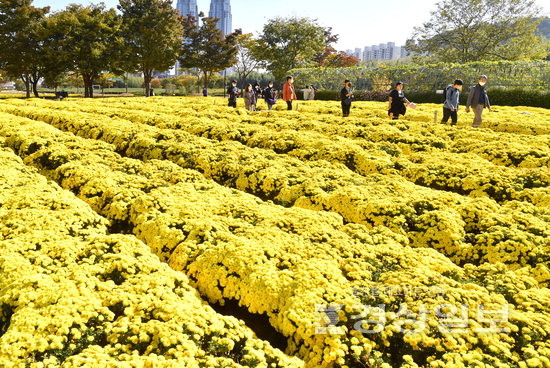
point(188, 7)
point(185, 7)
point(221, 9)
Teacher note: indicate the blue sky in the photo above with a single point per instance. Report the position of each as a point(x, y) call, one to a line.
point(358, 22)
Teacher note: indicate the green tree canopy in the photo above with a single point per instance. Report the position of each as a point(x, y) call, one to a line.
point(476, 30)
point(84, 40)
point(21, 38)
point(152, 34)
point(288, 43)
point(246, 60)
point(206, 48)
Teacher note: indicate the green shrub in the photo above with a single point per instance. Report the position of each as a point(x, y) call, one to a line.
point(429, 76)
point(497, 96)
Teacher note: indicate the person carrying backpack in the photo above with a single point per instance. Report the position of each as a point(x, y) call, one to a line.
point(450, 107)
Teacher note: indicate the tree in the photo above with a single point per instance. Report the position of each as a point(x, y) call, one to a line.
point(329, 49)
point(106, 80)
point(156, 83)
point(21, 30)
point(54, 79)
point(333, 59)
point(152, 36)
point(86, 41)
point(288, 43)
point(476, 30)
point(206, 48)
point(246, 62)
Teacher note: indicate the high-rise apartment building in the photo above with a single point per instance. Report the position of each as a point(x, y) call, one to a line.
point(384, 51)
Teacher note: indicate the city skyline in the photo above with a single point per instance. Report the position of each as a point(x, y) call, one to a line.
point(382, 51)
point(357, 22)
point(220, 9)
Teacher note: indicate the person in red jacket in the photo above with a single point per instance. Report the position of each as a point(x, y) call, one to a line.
point(289, 94)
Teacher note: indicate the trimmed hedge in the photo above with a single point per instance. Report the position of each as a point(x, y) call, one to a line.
point(498, 96)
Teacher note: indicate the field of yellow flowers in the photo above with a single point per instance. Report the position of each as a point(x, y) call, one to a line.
point(126, 224)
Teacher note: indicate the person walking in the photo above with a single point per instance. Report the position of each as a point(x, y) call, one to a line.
point(450, 107)
point(249, 97)
point(478, 100)
point(397, 101)
point(289, 94)
point(270, 95)
point(233, 93)
point(346, 97)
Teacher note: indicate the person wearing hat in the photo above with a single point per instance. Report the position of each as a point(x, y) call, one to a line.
point(233, 93)
point(270, 95)
point(346, 97)
point(450, 107)
point(478, 100)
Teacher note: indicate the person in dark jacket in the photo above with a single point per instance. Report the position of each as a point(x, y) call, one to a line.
point(258, 91)
point(478, 100)
point(450, 107)
point(233, 93)
point(346, 97)
point(397, 102)
point(249, 98)
point(270, 95)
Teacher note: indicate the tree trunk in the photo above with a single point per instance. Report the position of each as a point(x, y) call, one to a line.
point(147, 76)
point(34, 78)
point(206, 79)
point(35, 88)
point(25, 79)
point(85, 80)
point(88, 85)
